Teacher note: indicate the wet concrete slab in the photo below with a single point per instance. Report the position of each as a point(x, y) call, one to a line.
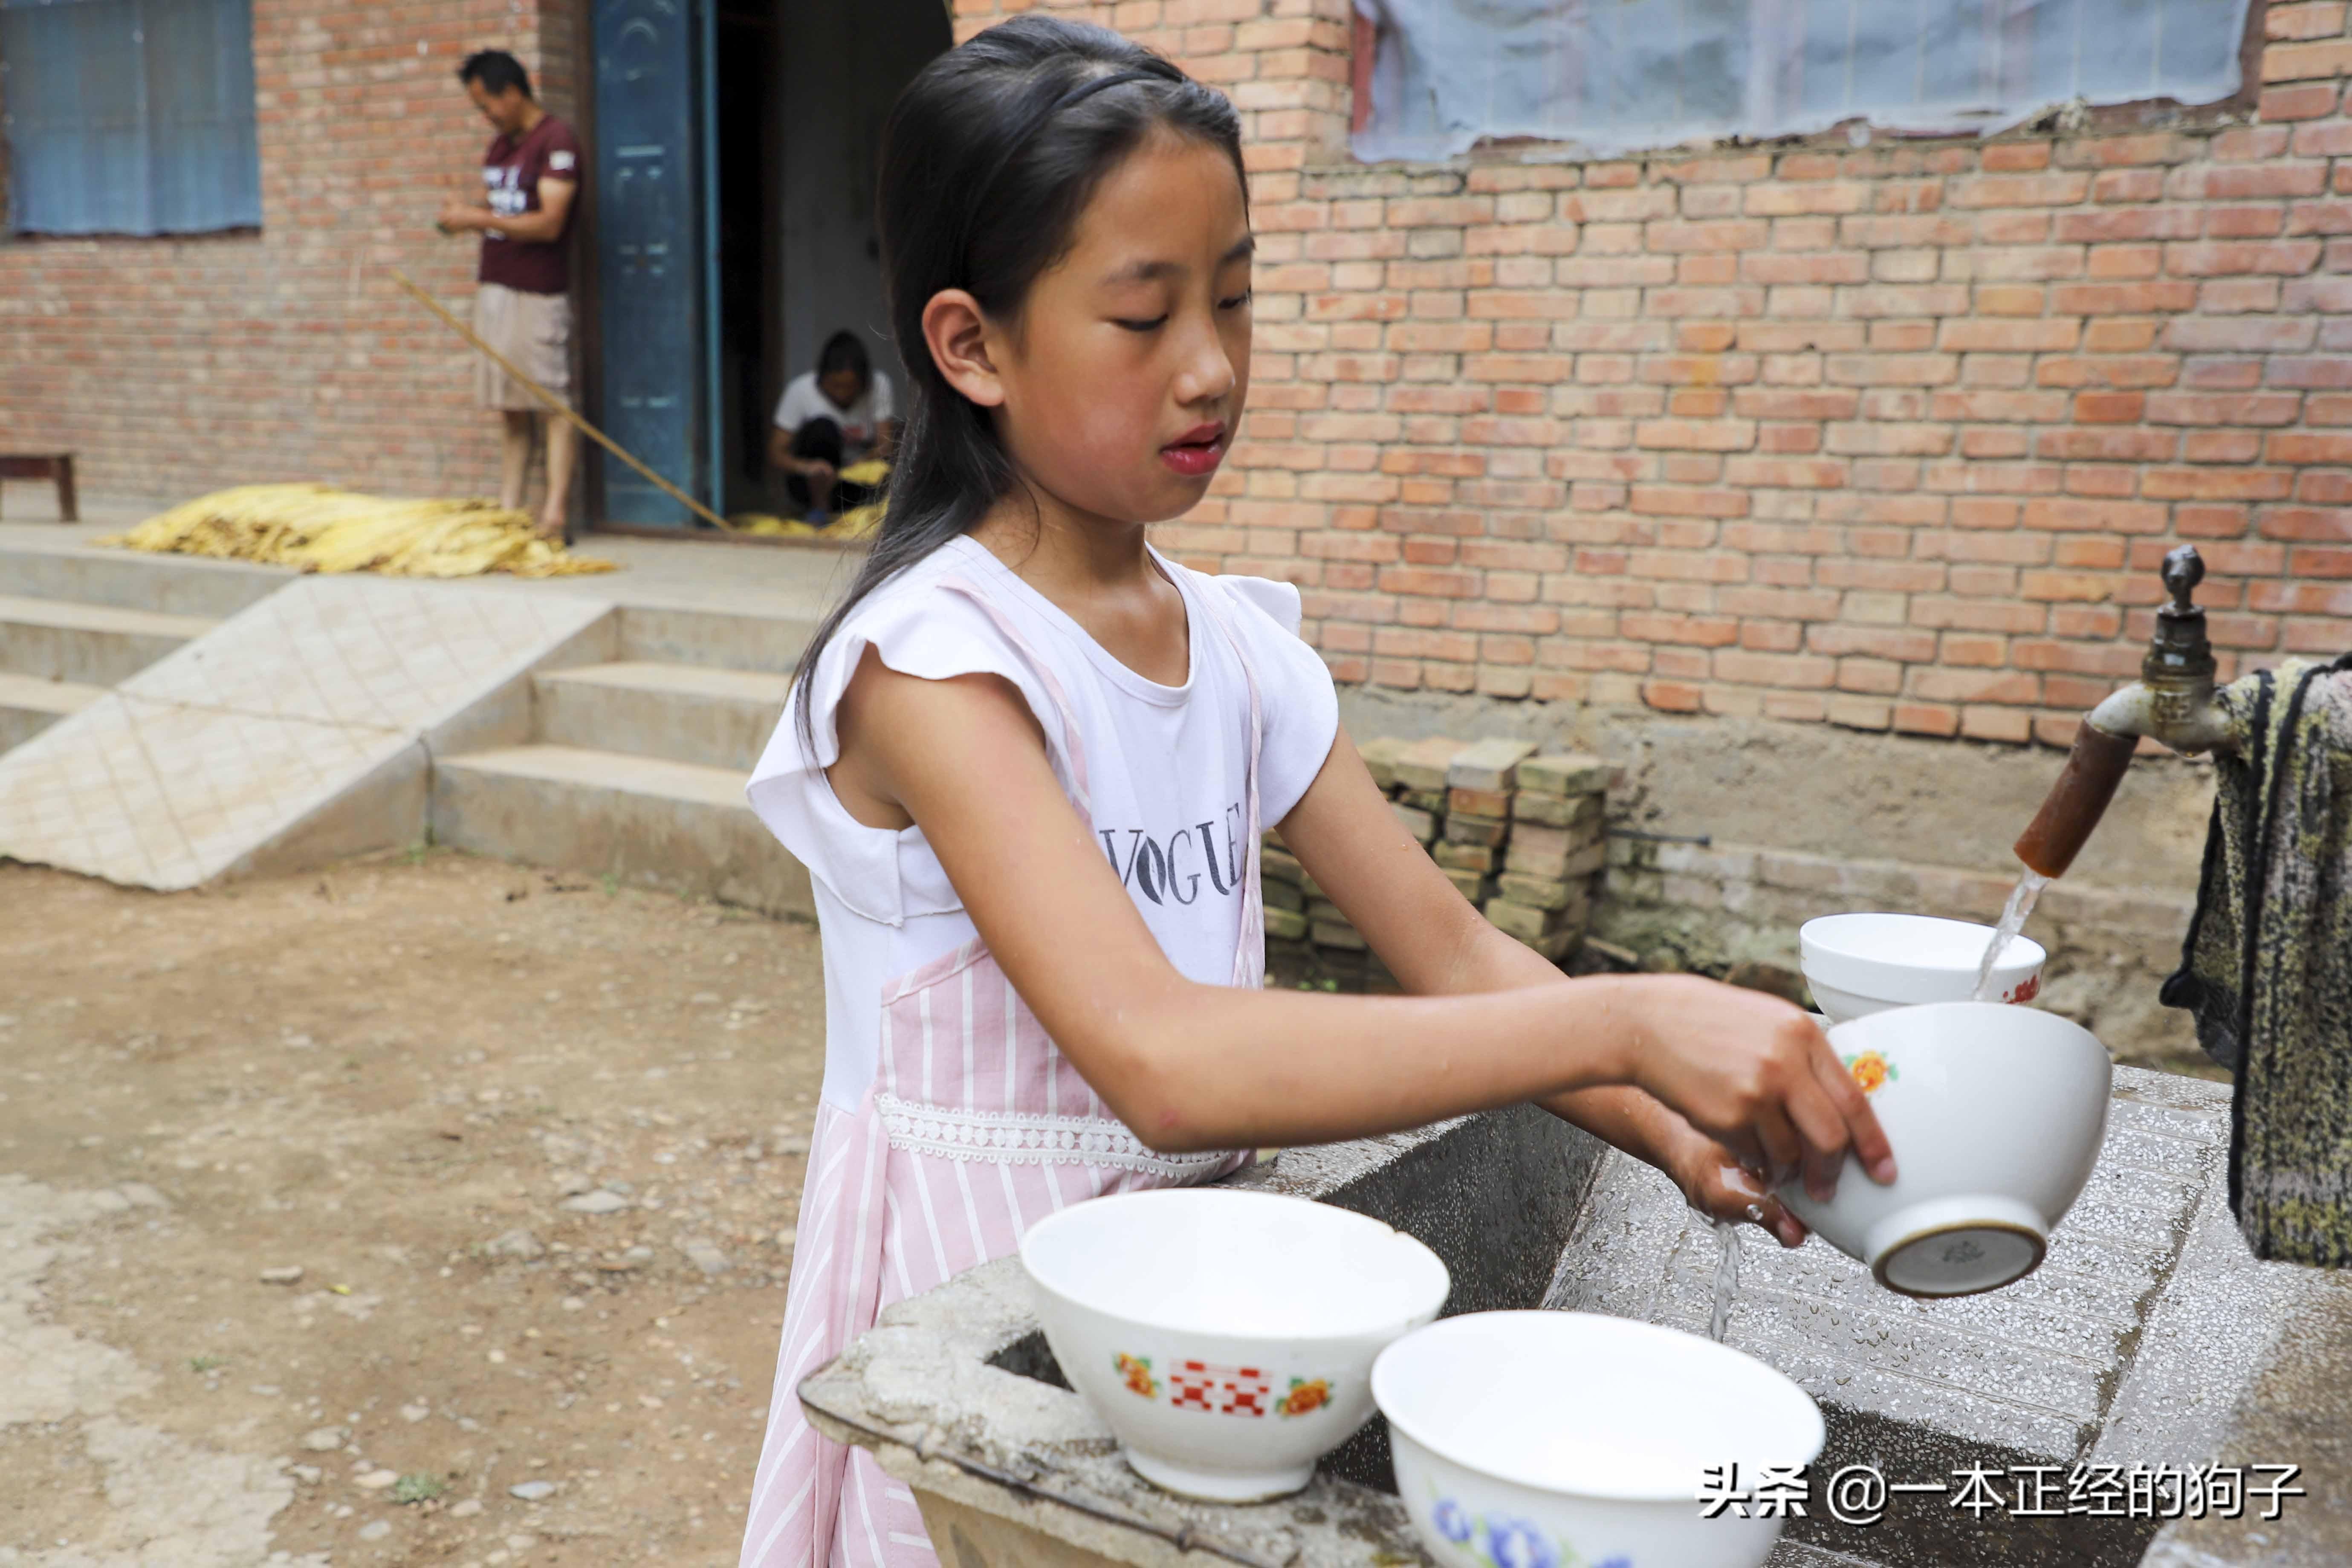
point(2297, 1412)
point(2126, 1349)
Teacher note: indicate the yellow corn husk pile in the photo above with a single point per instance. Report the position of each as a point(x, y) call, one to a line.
point(858, 522)
point(319, 528)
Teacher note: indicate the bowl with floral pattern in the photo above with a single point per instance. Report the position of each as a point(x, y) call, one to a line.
point(1573, 1440)
point(1226, 1337)
point(1995, 1115)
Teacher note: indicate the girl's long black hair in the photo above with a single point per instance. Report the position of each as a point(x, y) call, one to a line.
point(988, 158)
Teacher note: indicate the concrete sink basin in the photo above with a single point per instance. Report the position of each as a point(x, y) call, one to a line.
point(2149, 1338)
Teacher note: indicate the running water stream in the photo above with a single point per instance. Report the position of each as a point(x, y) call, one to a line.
point(2013, 917)
point(1727, 1277)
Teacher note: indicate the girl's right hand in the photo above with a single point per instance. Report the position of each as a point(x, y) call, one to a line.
point(1756, 1073)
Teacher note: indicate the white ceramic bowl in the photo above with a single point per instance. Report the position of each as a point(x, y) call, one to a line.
point(1857, 965)
point(1226, 1336)
point(1571, 1440)
point(1995, 1115)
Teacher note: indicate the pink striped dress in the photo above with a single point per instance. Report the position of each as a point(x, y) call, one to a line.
point(975, 1127)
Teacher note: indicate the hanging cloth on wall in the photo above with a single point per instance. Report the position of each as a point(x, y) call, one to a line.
point(2267, 965)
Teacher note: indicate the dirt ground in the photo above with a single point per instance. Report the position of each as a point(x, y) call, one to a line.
point(535, 1145)
point(405, 1078)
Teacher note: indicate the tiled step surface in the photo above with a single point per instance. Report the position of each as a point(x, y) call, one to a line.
point(95, 645)
point(30, 705)
point(682, 712)
point(645, 821)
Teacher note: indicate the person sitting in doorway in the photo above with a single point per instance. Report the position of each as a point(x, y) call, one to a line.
point(834, 417)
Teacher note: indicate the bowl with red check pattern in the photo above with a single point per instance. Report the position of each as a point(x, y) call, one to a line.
point(1575, 1440)
point(1226, 1337)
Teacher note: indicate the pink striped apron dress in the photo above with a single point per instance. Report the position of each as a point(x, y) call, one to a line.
point(976, 1127)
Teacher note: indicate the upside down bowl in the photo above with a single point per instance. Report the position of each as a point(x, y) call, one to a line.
point(1995, 1115)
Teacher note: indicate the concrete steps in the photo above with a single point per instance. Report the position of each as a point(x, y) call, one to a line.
point(96, 645)
point(29, 704)
point(301, 730)
point(75, 621)
point(620, 751)
point(634, 767)
point(726, 639)
point(644, 821)
point(687, 714)
point(39, 567)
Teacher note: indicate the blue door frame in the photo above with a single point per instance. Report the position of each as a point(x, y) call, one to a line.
point(657, 253)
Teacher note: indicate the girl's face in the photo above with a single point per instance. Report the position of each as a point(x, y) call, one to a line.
point(1124, 378)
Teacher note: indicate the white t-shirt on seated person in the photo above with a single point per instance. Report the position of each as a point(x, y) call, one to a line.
point(861, 422)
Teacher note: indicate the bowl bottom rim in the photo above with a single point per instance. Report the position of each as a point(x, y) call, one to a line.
point(1881, 1266)
point(1261, 1484)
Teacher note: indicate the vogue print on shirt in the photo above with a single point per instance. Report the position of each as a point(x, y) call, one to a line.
point(1170, 868)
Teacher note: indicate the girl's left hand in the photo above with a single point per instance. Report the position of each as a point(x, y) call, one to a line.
point(1715, 1184)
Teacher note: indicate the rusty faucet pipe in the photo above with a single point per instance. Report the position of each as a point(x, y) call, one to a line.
point(2171, 702)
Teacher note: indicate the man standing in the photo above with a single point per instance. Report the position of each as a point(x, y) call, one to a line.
point(522, 307)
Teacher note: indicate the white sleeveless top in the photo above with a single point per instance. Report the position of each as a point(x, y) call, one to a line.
point(1167, 765)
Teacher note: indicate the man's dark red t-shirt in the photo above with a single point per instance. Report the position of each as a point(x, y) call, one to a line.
point(511, 171)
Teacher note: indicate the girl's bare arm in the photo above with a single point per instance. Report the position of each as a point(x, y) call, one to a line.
point(1191, 1066)
point(1436, 943)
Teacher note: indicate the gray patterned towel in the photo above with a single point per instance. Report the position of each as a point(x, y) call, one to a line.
point(2267, 967)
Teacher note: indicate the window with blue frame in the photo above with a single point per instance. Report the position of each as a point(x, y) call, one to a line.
point(129, 116)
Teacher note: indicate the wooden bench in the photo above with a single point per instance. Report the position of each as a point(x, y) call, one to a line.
point(53, 466)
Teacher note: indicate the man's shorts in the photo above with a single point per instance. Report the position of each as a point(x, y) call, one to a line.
point(534, 332)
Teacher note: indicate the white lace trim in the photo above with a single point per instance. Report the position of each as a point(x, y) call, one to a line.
point(1004, 1137)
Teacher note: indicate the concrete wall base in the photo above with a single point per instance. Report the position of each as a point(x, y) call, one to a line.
point(1805, 819)
point(965, 1537)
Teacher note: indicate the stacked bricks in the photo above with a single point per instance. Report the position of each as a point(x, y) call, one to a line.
point(1556, 857)
point(1287, 889)
point(1414, 775)
point(1519, 835)
point(1470, 851)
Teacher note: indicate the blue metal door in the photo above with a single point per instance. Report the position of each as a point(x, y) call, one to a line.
point(651, 254)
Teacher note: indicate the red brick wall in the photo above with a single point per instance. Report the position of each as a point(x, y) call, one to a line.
point(1892, 437)
point(1889, 436)
point(176, 365)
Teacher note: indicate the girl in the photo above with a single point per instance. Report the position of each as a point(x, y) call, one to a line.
point(1029, 758)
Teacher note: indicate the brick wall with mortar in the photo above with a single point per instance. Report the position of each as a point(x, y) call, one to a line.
point(1888, 437)
point(175, 365)
point(1891, 438)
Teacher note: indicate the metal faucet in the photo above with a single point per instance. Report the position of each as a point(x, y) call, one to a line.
point(2171, 702)
point(2173, 699)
